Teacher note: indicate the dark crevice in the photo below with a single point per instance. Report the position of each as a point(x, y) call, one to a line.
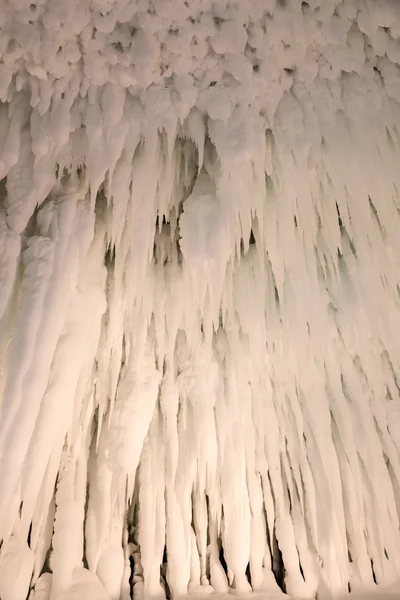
point(248, 574)
point(374, 212)
point(276, 555)
point(244, 248)
point(339, 217)
point(278, 568)
point(267, 532)
point(84, 558)
point(277, 299)
point(118, 47)
point(218, 21)
point(3, 192)
point(131, 523)
point(131, 581)
point(301, 570)
point(159, 227)
point(109, 258)
point(163, 574)
point(208, 514)
point(29, 535)
point(222, 560)
point(373, 572)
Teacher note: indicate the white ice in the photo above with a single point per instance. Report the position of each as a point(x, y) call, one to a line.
point(199, 298)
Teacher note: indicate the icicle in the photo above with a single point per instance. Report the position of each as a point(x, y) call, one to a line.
point(16, 566)
point(199, 275)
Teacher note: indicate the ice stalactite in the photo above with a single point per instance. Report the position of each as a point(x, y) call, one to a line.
point(199, 298)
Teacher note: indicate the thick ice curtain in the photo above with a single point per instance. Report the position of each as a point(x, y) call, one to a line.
point(199, 299)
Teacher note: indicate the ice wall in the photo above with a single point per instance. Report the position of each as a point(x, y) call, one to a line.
point(199, 297)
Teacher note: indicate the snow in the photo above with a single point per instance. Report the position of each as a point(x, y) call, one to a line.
point(199, 275)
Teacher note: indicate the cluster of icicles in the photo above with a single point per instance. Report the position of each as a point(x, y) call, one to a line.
point(199, 359)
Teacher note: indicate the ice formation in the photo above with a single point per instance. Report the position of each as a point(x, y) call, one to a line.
point(199, 297)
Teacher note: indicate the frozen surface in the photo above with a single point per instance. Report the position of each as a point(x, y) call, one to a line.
point(199, 297)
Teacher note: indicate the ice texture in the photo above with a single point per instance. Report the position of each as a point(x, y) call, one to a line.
point(199, 298)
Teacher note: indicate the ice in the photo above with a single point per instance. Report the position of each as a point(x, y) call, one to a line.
point(199, 299)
